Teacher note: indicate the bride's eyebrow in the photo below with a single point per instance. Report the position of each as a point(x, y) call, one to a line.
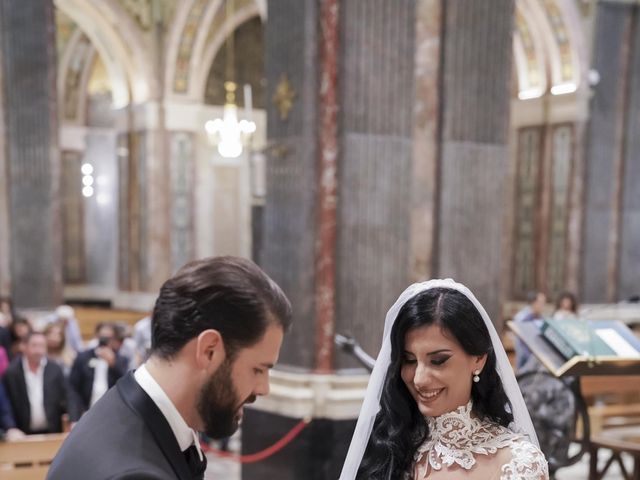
point(439, 351)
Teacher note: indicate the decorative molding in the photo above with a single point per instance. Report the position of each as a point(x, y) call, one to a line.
point(140, 11)
point(187, 39)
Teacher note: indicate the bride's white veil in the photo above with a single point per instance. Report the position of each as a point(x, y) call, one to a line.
point(371, 405)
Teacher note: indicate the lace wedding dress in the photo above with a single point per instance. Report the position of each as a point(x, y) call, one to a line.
point(461, 446)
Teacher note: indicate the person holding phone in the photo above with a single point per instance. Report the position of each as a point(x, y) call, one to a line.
point(96, 370)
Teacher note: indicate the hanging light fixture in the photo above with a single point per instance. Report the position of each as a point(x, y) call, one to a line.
point(228, 133)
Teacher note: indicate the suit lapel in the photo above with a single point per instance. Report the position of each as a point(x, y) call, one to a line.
point(144, 406)
point(22, 392)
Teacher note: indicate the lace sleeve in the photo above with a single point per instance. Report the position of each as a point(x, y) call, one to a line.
point(527, 463)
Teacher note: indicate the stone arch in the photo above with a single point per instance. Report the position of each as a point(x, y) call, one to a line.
point(548, 48)
point(215, 41)
point(119, 42)
point(199, 29)
point(74, 67)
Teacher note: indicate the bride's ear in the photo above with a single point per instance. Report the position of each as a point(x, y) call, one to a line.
point(479, 362)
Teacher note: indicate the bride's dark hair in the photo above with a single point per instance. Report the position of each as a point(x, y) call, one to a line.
point(400, 428)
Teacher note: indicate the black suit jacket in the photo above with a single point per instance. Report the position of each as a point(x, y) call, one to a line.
point(123, 436)
point(54, 392)
point(81, 380)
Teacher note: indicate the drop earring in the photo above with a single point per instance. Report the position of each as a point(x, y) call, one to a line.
point(476, 376)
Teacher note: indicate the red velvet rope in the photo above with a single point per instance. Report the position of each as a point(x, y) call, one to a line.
point(263, 454)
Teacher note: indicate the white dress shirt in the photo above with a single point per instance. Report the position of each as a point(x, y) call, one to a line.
point(35, 392)
point(184, 434)
point(100, 379)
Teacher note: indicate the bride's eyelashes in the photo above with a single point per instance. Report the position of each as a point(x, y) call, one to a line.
point(408, 360)
point(439, 360)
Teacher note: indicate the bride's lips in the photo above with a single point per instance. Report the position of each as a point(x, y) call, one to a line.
point(430, 396)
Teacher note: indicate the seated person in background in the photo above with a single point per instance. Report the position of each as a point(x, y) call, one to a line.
point(4, 360)
point(566, 306)
point(65, 315)
point(36, 389)
point(7, 312)
point(127, 345)
point(8, 430)
point(532, 312)
point(96, 370)
point(19, 330)
point(6, 319)
point(58, 349)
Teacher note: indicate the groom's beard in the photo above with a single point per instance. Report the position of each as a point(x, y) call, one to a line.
point(218, 404)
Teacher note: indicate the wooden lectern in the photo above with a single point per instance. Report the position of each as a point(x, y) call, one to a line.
point(577, 367)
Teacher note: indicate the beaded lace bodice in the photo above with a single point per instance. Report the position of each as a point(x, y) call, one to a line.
point(458, 438)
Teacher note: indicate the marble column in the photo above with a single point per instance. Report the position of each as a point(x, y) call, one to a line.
point(629, 257)
point(292, 128)
point(476, 73)
point(5, 252)
point(610, 266)
point(28, 71)
point(340, 77)
point(426, 138)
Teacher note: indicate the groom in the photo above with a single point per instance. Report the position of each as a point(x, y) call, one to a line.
point(217, 328)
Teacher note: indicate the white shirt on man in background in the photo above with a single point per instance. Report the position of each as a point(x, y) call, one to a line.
point(100, 379)
point(35, 392)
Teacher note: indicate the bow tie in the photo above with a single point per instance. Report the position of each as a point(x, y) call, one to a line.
point(196, 466)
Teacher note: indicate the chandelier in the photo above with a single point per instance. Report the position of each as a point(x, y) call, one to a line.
point(228, 133)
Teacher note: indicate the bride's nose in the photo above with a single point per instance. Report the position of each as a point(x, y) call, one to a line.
point(422, 376)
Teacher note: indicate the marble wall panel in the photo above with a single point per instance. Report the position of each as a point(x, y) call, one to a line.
point(529, 156)
point(124, 233)
point(477, 70)
point(72, 218)
point(182, 196)
point(561, 166)
point(101, 210)
point(373, 245)
point(471, 219)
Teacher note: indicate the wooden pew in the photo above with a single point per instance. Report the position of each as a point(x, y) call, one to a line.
point(29, 458)
point(613, 401)
point(614, 415)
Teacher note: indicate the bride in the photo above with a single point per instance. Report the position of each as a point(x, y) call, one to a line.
point(442, 401)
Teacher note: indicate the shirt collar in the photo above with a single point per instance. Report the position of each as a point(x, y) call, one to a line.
point(25, 366)
point(184, 434)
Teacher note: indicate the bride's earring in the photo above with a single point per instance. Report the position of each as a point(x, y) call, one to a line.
point(476, 376)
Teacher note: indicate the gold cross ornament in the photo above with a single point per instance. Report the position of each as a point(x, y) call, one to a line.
point(284, 97)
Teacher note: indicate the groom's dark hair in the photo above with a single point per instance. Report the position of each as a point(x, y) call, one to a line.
point(229, 294)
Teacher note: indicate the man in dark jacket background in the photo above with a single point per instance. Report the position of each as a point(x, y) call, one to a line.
point(36, 388)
